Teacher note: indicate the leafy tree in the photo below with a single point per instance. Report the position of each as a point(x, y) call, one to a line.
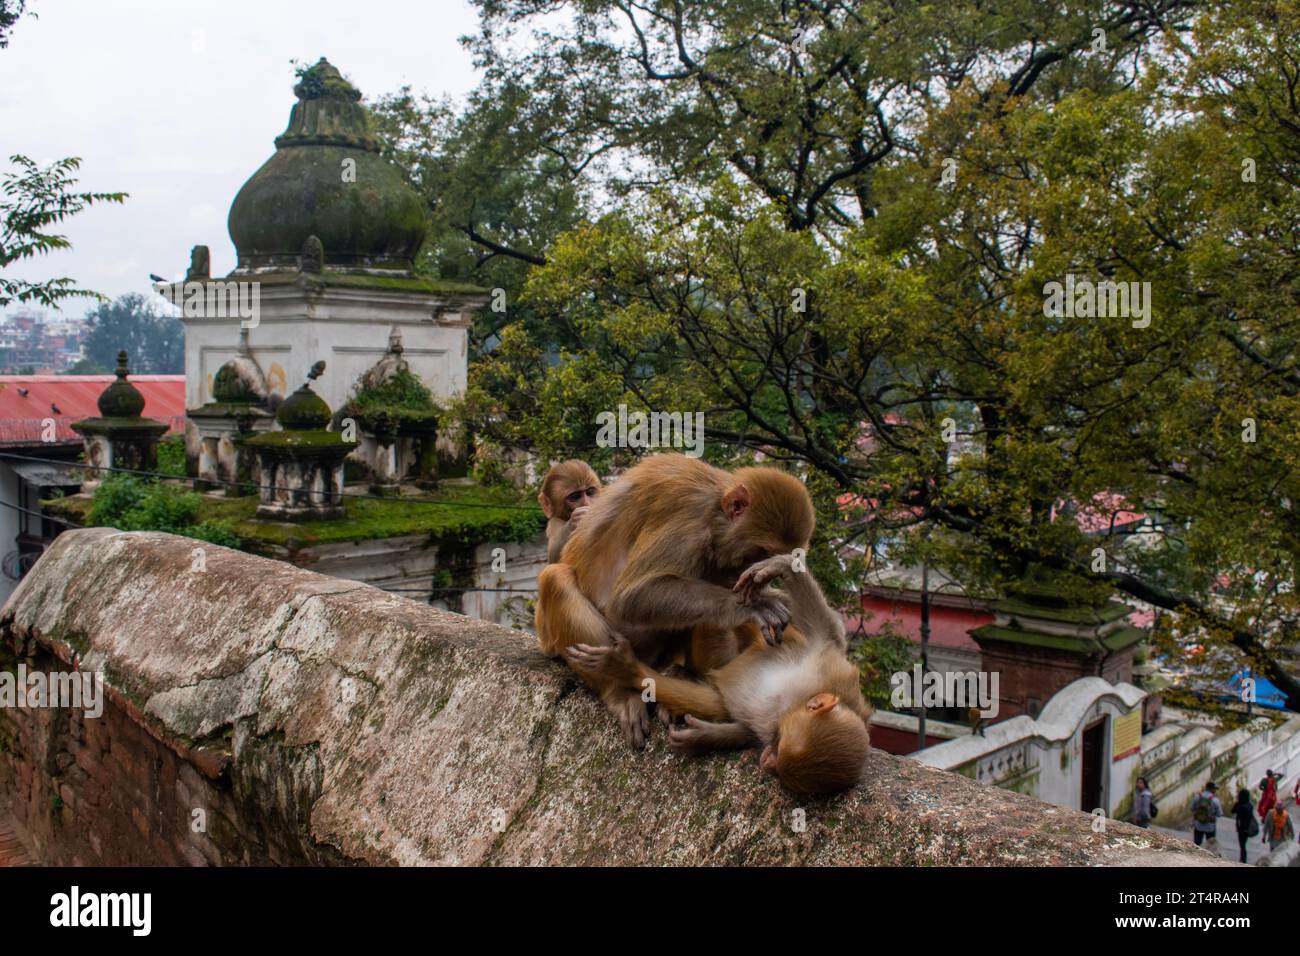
point(154, 341)
point(496, 197)
point(32, 199)
point(801, 100)
point(10, 11)
point(855, 345)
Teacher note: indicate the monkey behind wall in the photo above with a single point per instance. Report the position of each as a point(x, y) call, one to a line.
point(800, 701)
point(656, 556)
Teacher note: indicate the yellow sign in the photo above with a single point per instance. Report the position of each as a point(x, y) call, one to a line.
point(1126, 735)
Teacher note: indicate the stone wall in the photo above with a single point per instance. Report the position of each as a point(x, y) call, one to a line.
point(1043, 756)
point(306, 719)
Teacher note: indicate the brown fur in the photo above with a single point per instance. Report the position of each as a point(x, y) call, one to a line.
point(801, 701)
point(656, 556)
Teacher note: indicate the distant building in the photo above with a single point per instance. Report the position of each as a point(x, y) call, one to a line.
point(36, 415)
point(315, 369)
point(29, 340)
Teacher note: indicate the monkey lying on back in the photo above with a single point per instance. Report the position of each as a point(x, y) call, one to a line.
point(800, 700)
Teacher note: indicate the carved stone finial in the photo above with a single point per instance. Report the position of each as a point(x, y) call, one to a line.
point(317, 370)
point(395, 341)
point(121, 399)
point(313, 255)
point(200, 264)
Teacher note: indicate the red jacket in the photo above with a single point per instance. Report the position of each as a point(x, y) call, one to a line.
point(1269, 798)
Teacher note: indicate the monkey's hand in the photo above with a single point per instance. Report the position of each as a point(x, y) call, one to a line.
point(768, 609)
point(633, 716)
point(576, 516)
point(615, 662)
point(695, 736)
point(753, 578)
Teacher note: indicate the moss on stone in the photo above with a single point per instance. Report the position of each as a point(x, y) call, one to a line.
point(298, 439)
point(355, 280)
point(456, 515)
point(401, 392)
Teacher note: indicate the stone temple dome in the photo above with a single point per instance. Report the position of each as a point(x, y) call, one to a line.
point(304, 410)
point(121, 399)
point(327, 180)
point(240, 381)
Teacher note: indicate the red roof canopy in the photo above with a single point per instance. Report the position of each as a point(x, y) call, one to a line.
point(22, 416)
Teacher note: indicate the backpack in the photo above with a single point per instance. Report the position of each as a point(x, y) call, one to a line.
point(1155, 811)
point(1203, 810)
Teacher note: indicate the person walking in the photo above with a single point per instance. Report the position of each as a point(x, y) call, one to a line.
point(1277, 827)
point(1247, 825)
point(1143, 804)
point(1206, 810)
point(1268, 797)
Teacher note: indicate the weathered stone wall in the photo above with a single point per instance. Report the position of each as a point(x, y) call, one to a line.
point(314, 720)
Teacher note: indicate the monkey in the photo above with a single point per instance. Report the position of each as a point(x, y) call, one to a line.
point(656, 556)
point(567, 489)
point(801, 701)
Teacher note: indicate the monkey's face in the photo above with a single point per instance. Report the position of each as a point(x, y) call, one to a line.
point(766, 512)
point(820, 746)
point(567, 487)
point(575, 497)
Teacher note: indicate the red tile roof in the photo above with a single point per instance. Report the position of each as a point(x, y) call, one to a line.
point(22, 416)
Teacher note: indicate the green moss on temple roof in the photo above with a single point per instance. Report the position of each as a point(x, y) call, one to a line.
point(1071, 614)
point(1117, 639)
point(356, 280)
point(468, 514)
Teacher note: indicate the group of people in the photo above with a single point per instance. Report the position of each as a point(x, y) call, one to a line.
point(1273, 826)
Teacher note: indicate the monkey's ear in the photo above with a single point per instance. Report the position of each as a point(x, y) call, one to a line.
point(545, 502)
point(736, 501)
point(824, 702)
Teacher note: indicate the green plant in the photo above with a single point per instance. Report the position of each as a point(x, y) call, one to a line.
point(879, 656)
point(171, 456)
point(401, 391)
point(135, 504)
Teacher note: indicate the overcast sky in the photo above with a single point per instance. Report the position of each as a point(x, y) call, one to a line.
point(177, 102)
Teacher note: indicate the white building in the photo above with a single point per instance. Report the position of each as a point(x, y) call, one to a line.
point(326, 232)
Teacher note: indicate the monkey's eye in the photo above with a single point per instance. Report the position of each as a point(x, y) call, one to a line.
point(591, 492)
point(574, 497)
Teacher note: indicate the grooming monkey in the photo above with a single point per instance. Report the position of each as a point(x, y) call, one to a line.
point(567, 490)
point(656, 557)
point(801, 700)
